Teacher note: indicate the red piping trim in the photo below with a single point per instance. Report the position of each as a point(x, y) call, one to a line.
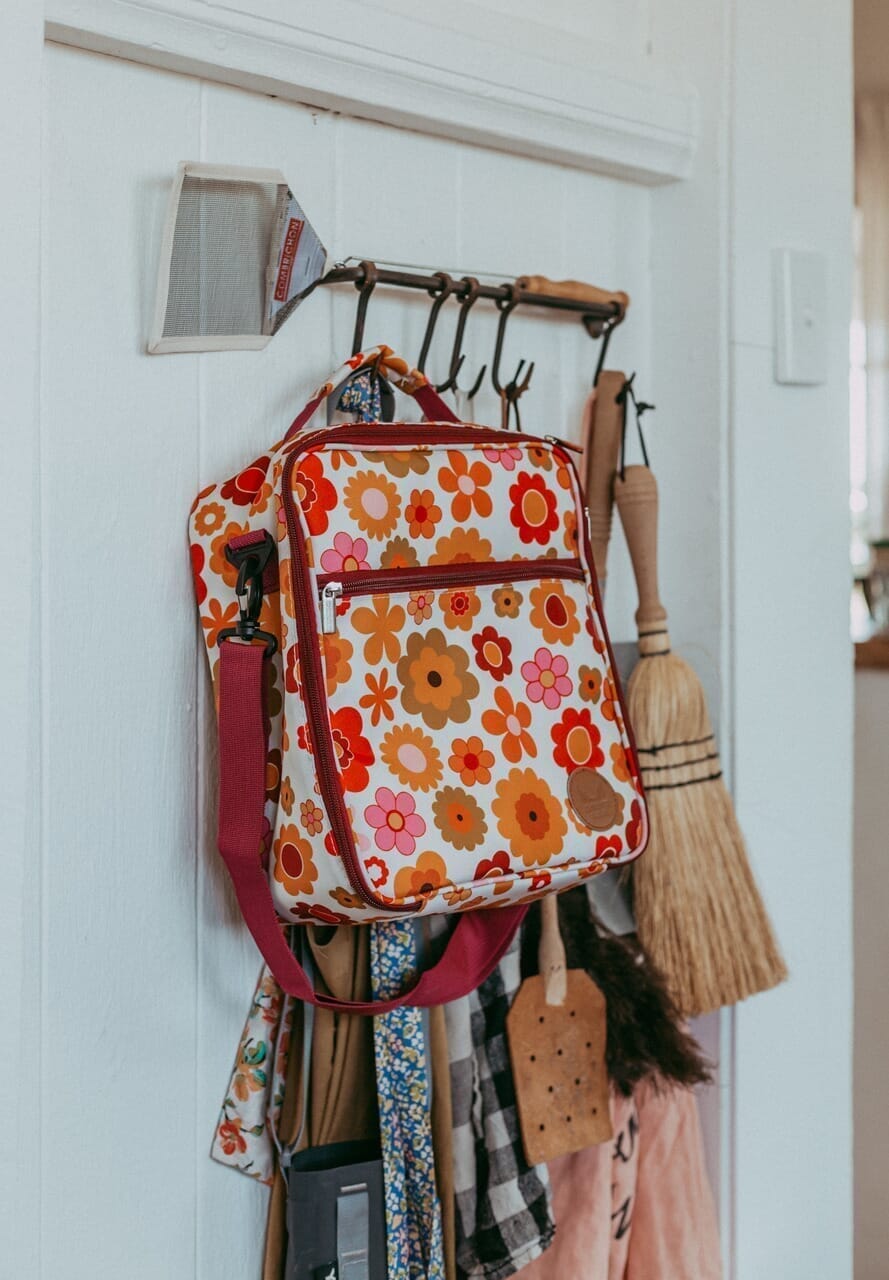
point(465, 573)
point(618, 686)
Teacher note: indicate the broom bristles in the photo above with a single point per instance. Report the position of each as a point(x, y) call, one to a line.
point(699, 912)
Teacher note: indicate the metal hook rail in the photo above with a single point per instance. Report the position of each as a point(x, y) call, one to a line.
point(597, 317)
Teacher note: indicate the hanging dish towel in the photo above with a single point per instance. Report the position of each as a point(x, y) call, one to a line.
point(640, 1207)
point(504, 1210)
point(413, 1213)
point(242, 1139)
point(675, 1234)
point(264, 1090)
point(593, 1200)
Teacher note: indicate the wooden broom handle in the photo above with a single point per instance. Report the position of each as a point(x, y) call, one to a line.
point(601, 450)
point(551, 953)
point(576, 290)
point(637, 503)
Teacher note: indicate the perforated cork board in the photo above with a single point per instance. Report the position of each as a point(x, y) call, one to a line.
point(558, 1065)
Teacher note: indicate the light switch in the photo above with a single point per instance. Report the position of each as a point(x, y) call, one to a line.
point(799, 283)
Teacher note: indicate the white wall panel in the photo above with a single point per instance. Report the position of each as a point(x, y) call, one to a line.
point(529, 88)
point(119, 470)
point(792, 727)
point(148, 971)
point(21, 53)
point(620, 23)
point(792, 660)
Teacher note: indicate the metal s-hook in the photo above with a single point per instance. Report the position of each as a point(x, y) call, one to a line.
point(470, 287)
point(365, 284)
point(505, 306)
point(474, 389)
point(440, 294)
point(602, 329)
point(606, 331)
point(514, 390)
point(512, 393)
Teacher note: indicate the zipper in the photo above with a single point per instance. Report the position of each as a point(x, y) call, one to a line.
point(304, 601)
point(331, 593)
point(429, 433)
point(335, 587)
point(558, 443)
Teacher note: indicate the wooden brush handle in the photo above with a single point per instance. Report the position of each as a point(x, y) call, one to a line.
point(602, 427)
point(637, 503)
point(576, 290)
point(551, 953)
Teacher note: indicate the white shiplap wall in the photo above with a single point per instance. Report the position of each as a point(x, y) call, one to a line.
point(127, 974)
point(791, 670)
point(146, 973)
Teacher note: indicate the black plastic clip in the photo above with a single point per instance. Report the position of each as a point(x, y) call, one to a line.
point(250, 560)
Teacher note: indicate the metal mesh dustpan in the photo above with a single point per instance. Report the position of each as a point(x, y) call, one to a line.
point(237, 255)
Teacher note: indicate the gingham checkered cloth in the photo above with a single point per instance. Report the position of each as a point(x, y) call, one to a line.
point(504, 1206)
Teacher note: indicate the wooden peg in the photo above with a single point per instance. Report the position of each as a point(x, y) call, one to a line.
point(576, 290)
point(603, 419)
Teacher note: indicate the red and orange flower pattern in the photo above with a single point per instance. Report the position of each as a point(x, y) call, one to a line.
point(457, 708)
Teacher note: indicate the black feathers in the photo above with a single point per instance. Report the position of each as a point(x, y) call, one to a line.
point(646, 1036)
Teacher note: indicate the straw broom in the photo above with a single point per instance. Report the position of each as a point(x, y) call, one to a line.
point(699, 913)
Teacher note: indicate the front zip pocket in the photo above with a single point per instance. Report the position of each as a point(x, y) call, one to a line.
point(334, 587)
point(471, 692)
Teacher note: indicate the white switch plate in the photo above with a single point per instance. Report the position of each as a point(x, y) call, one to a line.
point(799, 284)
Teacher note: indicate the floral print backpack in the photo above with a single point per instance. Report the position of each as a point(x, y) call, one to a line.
point(417, 703)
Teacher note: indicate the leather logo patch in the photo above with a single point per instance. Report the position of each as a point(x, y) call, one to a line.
point(594, 800)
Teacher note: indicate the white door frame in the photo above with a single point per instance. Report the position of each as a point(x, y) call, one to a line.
point(21, 59)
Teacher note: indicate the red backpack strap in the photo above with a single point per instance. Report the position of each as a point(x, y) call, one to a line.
point(397, 371)
point(477, 943)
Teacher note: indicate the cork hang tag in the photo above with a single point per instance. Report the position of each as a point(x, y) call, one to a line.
point(557, 1050)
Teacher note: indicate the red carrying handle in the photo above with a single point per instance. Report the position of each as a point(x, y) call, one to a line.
point(411, 381)
point(476, 944)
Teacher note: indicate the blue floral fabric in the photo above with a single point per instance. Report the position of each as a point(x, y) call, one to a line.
point(362, 396)
point(413, 1213)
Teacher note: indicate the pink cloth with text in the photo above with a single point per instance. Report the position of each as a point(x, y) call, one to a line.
point(640, 1206)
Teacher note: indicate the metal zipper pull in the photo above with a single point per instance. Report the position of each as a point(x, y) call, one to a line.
point(330, 598)
point(558, 442)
